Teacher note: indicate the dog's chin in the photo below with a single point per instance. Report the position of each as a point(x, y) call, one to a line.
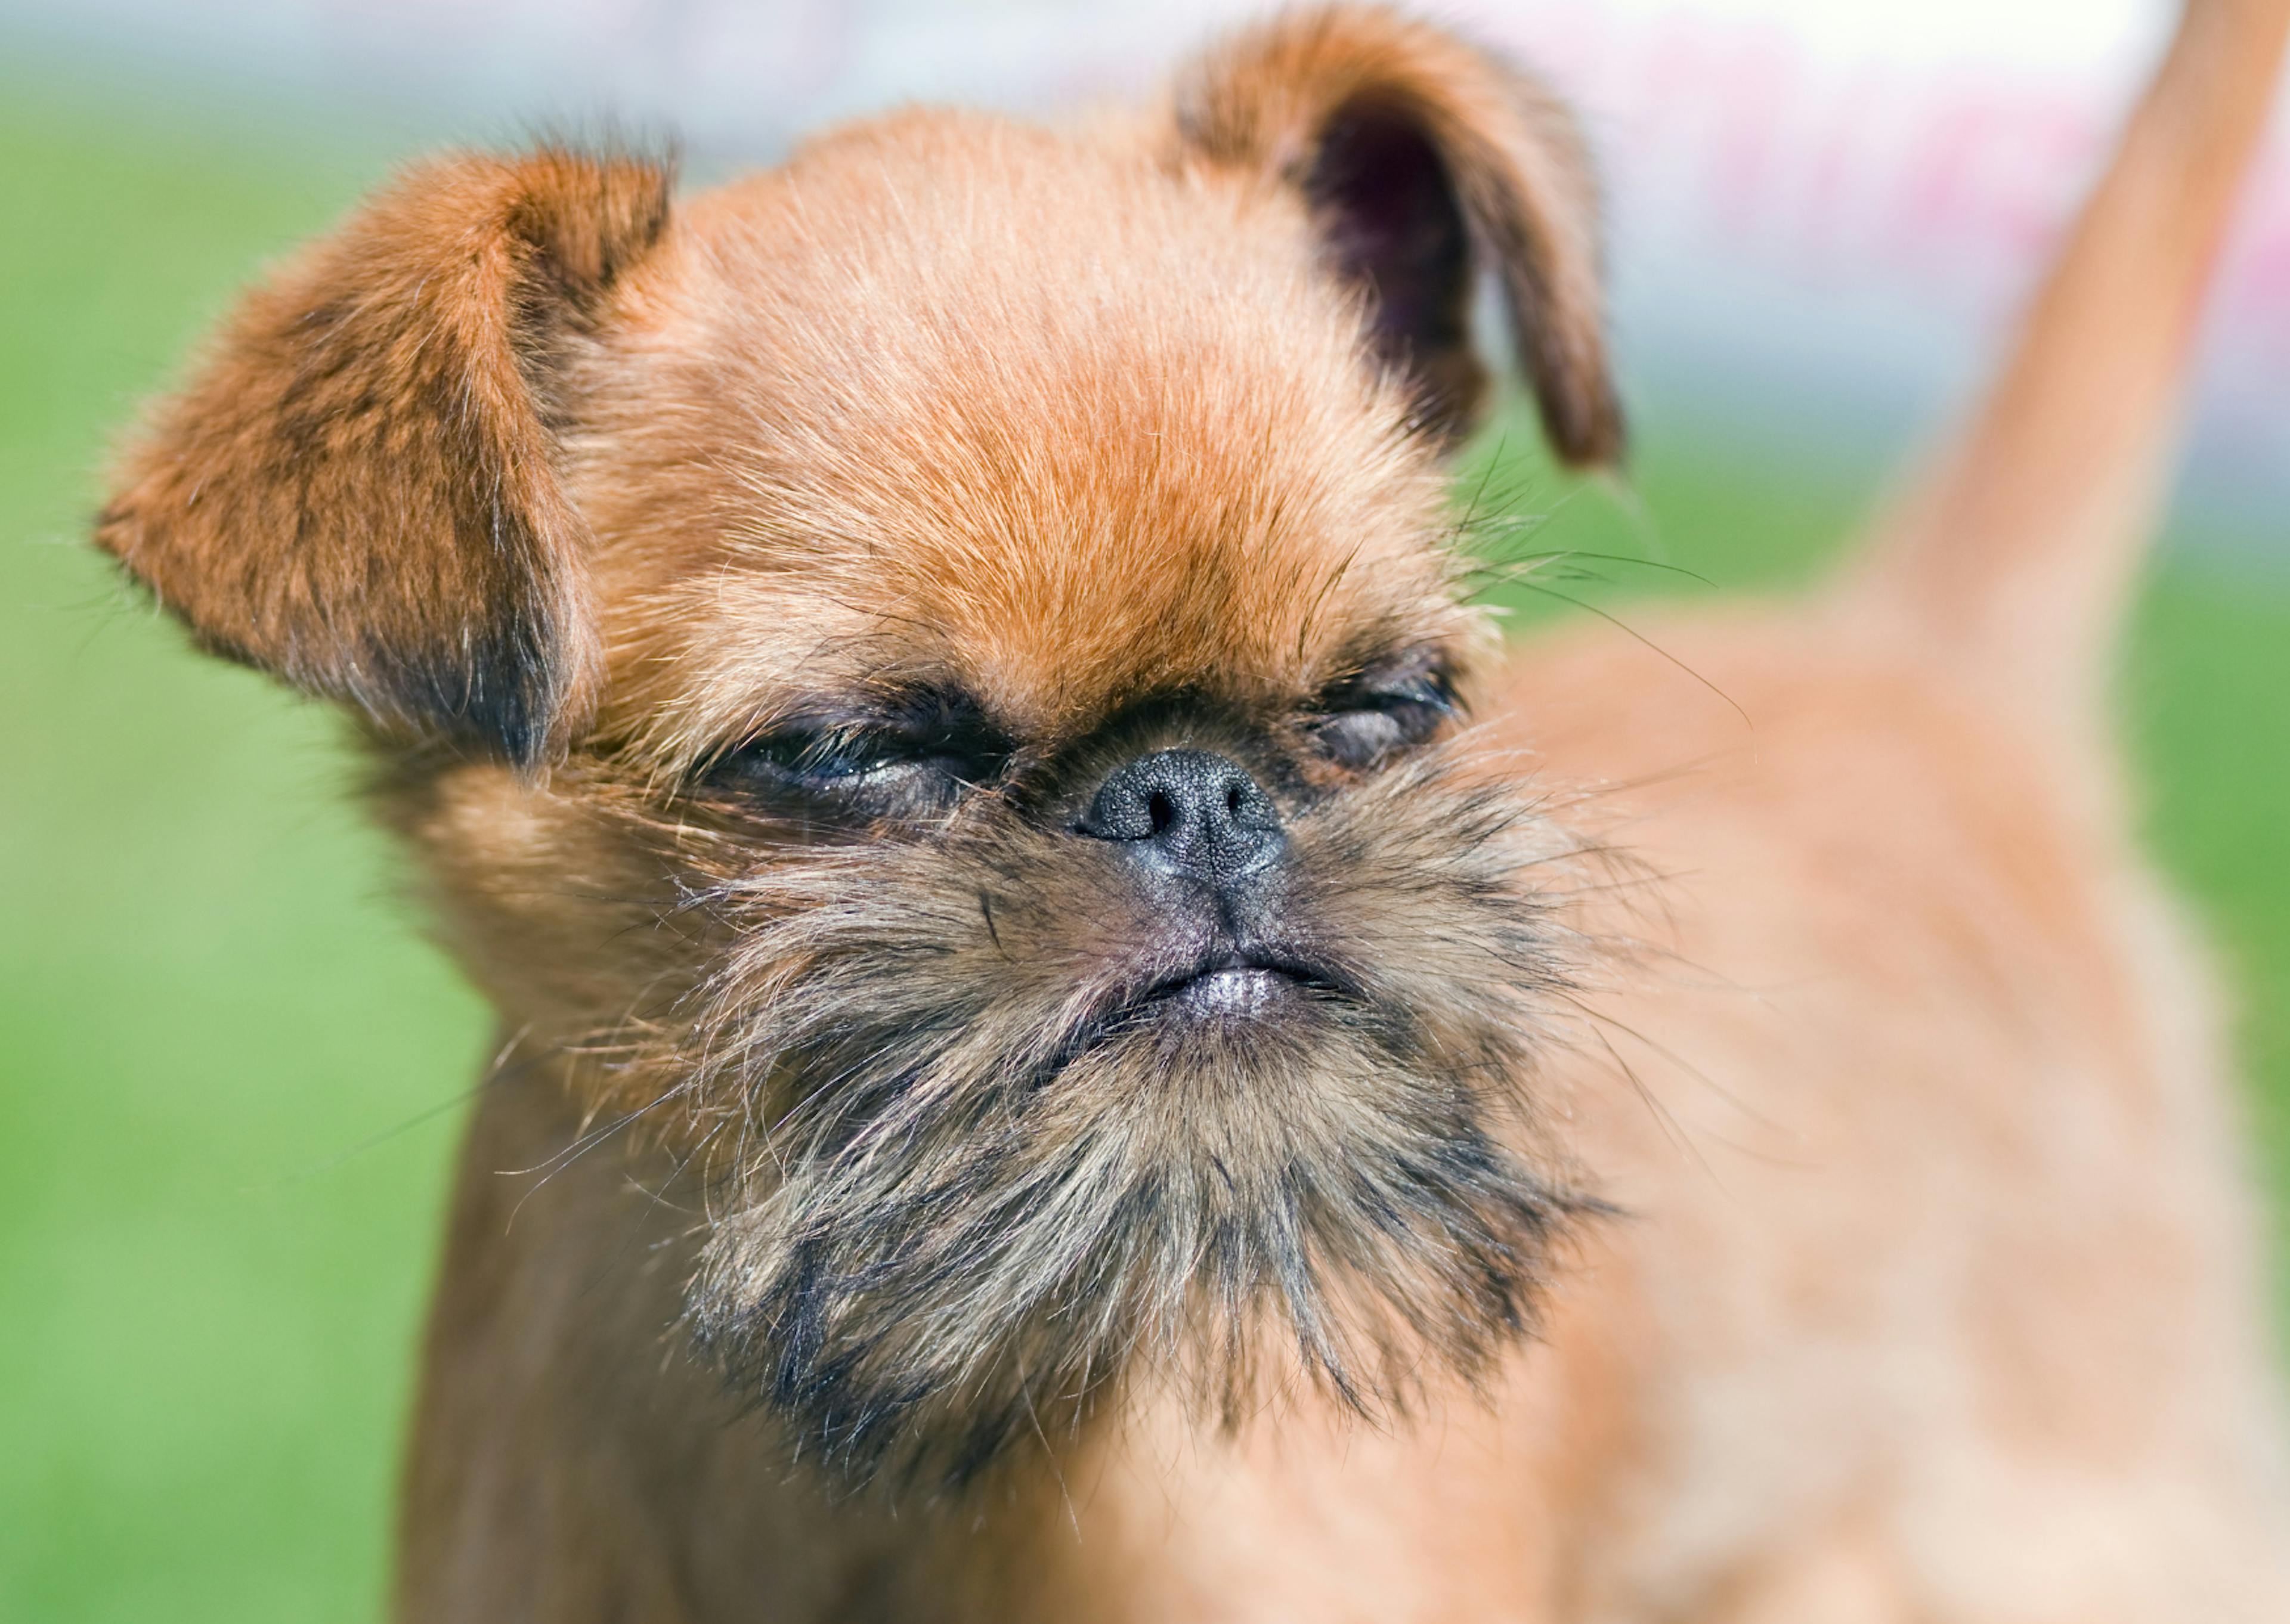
point(1242, 1181)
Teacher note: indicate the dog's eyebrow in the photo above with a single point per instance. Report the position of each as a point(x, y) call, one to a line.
point(1391, 665)
point(923, 708)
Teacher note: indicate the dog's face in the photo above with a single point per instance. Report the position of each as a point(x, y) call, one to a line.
point(936, 674)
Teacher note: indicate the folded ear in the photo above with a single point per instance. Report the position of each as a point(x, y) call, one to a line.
point(359, 491)
point(1424, 160)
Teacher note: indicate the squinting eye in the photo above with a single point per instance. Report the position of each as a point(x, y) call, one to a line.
point(910, 756)
point(1372, 721)
point(896, 772)
point(1360, 737)
point(915, 766)
point(821, 757)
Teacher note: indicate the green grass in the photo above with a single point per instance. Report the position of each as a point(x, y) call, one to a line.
point(214, 1243)
point(205, 997)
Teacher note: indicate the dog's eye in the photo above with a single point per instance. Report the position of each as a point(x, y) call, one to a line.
point(909, 768)
point(1380, 715)
point(871, 764)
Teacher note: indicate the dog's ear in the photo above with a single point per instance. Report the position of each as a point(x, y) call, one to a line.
point(1423, 159)
point(359, 491)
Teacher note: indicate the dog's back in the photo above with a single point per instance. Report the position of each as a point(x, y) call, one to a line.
point(1946, 1298)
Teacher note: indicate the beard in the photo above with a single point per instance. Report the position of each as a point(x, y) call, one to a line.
point(987, 1172)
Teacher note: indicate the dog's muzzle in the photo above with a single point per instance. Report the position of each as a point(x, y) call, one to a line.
point(1203, 841)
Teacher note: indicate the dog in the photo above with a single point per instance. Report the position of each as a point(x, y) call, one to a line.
point(1080, 1041)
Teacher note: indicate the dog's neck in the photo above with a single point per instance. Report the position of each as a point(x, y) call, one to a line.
point(558, 1309)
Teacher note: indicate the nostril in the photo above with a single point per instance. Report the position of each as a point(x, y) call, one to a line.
point(1232, 799)
point(1160, 811)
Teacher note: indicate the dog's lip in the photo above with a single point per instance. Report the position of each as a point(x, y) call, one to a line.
point(1236, 983)
point(1239, 977)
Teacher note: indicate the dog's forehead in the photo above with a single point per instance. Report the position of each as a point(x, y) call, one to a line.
point(1050, 418)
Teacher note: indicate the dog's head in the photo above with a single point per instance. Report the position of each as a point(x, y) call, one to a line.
point(936, 672)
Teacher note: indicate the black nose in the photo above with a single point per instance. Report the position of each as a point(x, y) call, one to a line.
point(1188, 811)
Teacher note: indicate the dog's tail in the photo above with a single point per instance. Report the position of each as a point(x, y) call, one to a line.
point(2020, 548)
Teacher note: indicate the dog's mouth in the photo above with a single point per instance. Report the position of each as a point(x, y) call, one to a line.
point(1226, 989)
point(1237, 983)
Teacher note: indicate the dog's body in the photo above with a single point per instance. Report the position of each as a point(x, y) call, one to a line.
point(2005, 1367)
point(1741, 1145)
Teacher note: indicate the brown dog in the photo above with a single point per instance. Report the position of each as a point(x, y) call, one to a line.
point(1059, 1079)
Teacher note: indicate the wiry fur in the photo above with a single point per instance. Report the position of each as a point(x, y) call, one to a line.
point(967, 1180)
point(994, 1182)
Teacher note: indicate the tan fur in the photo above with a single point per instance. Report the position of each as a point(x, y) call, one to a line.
point(370, 453)
point(1729, 1175)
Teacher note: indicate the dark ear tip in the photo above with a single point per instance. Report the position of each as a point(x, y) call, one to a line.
point(502, 693)
point(1593, 440)
point(524, 745)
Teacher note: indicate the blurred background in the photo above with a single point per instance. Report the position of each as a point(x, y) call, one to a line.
point(231, 1071)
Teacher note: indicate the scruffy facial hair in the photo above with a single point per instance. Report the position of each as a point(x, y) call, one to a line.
point(985, 1179)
